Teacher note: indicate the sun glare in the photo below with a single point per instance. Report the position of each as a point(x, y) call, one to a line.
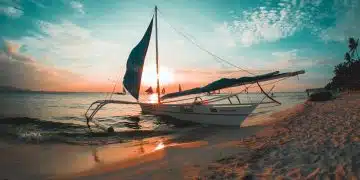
point(153, 98)
point(149, 75)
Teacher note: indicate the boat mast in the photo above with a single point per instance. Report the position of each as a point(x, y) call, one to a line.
point(157, 57)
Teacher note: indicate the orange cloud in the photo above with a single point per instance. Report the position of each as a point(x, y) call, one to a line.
point(11, 47)
point(21, 71)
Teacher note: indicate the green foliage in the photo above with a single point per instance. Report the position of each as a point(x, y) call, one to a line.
point(347, 74)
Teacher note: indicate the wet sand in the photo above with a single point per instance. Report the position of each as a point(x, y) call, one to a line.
point(180, 155)
point(32, 161)
point(311, 140)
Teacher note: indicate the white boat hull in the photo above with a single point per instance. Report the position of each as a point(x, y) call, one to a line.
point(233, 115)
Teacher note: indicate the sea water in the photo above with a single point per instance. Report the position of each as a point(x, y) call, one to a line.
point(51, 117)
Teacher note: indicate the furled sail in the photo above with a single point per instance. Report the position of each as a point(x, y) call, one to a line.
point(232, 82)
point(135, 63)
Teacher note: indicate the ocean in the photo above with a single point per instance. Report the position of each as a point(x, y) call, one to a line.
point(42, 117)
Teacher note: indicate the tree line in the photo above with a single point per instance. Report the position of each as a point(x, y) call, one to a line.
point(347, 73)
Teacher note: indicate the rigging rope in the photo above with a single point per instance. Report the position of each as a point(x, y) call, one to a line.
point(244, 90)
point(205, 50)
point(112, 92)
point(217, 58)
point(251, 86)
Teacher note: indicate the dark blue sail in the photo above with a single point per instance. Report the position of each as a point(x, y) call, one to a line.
point(135, 63)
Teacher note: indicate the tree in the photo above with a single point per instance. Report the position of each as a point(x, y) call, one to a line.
point(347, 74)
point(352, 44)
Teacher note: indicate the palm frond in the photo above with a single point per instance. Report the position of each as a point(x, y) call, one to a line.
point(352, 44)
point(347, 57)
point(352, 52)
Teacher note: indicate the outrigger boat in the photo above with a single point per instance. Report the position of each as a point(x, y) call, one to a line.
point(201, 110)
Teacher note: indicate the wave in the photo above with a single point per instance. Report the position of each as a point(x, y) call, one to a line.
point(36, 122)
point(32, 130)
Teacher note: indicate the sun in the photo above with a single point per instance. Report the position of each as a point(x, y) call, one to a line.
point(153, 98)
point(166, 75)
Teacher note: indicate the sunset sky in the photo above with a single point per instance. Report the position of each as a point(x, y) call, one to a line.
point(67, 45)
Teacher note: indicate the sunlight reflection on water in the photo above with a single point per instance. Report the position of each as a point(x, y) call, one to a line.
point(159, 146)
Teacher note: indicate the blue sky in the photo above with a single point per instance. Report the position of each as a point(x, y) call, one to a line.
point(90, 40)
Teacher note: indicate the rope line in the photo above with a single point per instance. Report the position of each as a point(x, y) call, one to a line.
point(113, 90)
point(217, 58)
point(205, 50)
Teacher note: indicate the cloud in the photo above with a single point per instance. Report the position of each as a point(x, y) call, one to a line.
point(290, 60)
point(347, 23)
point(34, 75)
point(297, 85)
point(325, 62)
point(79, 7)
point(295, 59)
point(38, 3)
point(11, 49)
point(286, 54)
point(11, 12)
point(11, 8)
point(224, 33)
point(69, 42)
point(205, 76)
point(21, 71)
point(282, 61)
point(267, 24)
point(334, 20)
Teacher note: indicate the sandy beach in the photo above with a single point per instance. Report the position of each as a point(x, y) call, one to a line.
point(314, 140)
point(320, 141)
point(173, 90)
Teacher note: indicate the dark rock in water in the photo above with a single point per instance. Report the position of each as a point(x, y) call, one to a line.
point(110, 129)
point(321, 96)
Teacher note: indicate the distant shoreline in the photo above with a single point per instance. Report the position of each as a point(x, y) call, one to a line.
point(45, 92)
point(66, 92)
point(10, 89)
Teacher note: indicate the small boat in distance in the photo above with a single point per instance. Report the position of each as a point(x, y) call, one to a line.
point(204, 108)
point(121, 93)
point(320, 94)
point(149, 90)
point(163, 91)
